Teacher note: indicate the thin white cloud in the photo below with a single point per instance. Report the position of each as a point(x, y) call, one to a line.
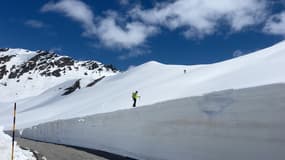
point(196, 19)
point(35, 23)
point(76, 10)
point(203, 17)
point(237, 53)
point(56, 49)
point(134, 33)
point(275, 24)
point(131, 67)
point(107, 30)
point(135, 53)
point(123, 2)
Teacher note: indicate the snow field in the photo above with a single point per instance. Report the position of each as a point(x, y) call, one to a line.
point(155, 82)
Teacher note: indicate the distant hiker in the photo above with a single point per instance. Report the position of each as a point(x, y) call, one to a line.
point(135, 96)
point(185, 71)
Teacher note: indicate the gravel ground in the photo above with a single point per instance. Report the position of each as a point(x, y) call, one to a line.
point(50, 151)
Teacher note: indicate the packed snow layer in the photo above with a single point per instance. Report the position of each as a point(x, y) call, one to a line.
point(247, 124)
point(155, 82)
point(5, 149)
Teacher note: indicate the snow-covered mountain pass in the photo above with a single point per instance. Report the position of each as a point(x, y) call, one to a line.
point(155, 82)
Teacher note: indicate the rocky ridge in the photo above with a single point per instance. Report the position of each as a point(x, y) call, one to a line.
point(22, 70)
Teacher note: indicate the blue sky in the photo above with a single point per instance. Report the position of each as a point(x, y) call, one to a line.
point(130, 32)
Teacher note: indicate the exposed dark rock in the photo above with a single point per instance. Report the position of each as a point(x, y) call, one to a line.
point(71, 89)
point(93, 66)
point(26, 67)
point(4, 49)
point(111, 67)
point(56, 73)
point(95, 81)
point(90, 65)
point(43, 66)
point(3, 71)
point(64, 61)
point(52, 64)
point(42, 52)
point(43, 73)
point(30, 65)
point(6, 58)
point(13, 75)
point(44, 62)
point(38, 56)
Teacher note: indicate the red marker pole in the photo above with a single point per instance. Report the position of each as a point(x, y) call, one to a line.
point(14, 126)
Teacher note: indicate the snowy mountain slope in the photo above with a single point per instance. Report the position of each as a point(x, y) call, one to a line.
point(25, 73)
point(155, 82)
point(245, 124)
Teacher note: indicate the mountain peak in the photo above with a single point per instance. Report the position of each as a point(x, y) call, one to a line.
point(24, 69)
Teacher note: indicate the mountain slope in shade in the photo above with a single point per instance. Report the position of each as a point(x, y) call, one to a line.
point(25, 73)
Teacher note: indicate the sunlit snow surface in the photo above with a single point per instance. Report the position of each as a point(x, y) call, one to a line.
point(5, 149)
point(155, 82)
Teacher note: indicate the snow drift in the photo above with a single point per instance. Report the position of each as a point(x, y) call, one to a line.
point(5, 149)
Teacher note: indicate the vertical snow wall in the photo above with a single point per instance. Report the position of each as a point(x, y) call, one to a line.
point(246, 124)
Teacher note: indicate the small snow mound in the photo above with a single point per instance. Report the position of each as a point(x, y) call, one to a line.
point(147, 65)
point(152, 63)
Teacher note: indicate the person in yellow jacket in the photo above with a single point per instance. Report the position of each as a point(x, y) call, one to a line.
point(135, 96)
